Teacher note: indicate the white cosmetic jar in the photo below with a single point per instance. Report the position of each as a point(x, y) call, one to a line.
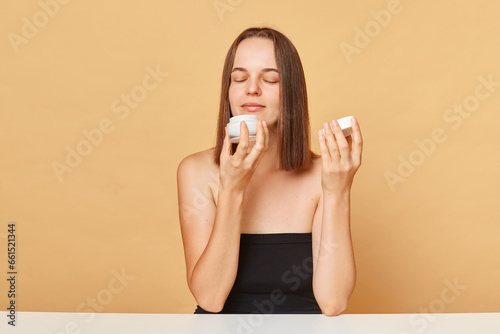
point(233, 127)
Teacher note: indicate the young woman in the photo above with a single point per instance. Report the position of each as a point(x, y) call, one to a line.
point(266, 226)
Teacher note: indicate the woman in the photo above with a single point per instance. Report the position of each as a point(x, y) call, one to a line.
point(266, 227)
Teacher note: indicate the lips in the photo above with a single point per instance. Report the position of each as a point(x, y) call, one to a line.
point(252, 106)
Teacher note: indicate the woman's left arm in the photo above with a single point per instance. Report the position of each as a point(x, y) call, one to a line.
point(334, 273)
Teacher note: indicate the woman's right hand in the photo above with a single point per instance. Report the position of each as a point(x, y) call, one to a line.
point(236, 170)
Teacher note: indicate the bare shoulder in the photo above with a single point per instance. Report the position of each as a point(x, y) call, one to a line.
point(313, 170)
point(198, 177)
point(316, 165)
point(197, 164)
point(316, 168)
point(310, 178)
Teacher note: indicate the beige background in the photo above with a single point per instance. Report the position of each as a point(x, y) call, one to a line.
point(117, 209)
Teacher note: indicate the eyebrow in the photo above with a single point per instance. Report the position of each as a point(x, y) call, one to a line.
point(270, 69)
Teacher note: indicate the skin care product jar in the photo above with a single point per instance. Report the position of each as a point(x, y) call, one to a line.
point(233, 127)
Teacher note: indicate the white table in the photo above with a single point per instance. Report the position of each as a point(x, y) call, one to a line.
point(125, 323)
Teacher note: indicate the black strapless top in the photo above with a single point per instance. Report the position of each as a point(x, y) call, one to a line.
point(274, 275)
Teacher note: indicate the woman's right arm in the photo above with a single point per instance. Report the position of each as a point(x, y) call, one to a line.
point(211, 233)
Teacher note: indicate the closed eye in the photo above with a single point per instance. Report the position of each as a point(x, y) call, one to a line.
point(238, 78)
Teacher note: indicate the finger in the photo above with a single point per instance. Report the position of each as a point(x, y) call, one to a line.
point(349, 141)
point(258, 148)
point(331, 142)
point(325, 154)
point(357, 140)
point(241, 150)
point(260, 134)
point(340, 138)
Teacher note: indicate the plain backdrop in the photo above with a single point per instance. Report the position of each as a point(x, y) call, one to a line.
point(101, 100)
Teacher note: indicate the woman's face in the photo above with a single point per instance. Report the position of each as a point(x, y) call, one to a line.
point(255, 86)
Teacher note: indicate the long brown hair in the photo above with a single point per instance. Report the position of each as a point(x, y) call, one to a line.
point(293, 122)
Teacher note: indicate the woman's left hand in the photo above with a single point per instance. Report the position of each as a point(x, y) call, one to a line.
point(341, 157)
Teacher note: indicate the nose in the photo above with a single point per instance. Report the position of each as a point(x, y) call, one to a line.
point(253, 87)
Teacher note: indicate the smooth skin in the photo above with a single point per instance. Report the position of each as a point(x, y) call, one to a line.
point(248, 193)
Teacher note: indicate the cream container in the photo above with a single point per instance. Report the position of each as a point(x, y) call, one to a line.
point(233, 127)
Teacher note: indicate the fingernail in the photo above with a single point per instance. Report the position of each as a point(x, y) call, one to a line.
point(265, 124)
point(326, 125)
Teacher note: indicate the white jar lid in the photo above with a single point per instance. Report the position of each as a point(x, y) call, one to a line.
point(245, 118)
